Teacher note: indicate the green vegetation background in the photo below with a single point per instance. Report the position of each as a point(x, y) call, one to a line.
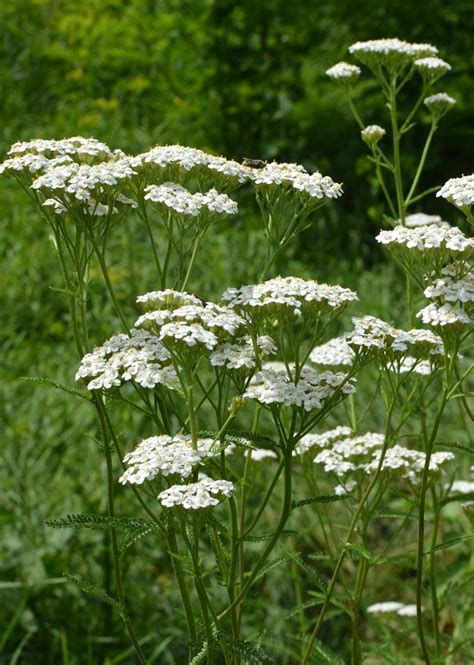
point(243, 79)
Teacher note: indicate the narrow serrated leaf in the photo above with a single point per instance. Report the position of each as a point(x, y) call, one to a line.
point(54, 384)
point(450, 543)
point(94, 591)
point(322, 498)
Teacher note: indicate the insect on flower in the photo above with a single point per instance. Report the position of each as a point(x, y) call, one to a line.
point(254, 163)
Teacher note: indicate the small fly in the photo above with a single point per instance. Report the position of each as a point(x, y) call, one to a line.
point(254, 163)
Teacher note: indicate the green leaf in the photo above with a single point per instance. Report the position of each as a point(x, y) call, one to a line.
point(251, 653)
point(54, 384)
point(322, 498)
point(134, 535)
point(450, 543)
point(454, 445)
point(95, 592)
point(92, 521)
point(270, 565)
point(267, 536)
point(468, 496)
point(296, 558)
point(359, 551)
point(242, 438)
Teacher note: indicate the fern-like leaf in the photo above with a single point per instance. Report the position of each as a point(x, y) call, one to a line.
point(267, 536)
point(322, 498)
point(44, 381)
point(251, 653)
point(450, 543)
point(92, 521)
point(94, 591)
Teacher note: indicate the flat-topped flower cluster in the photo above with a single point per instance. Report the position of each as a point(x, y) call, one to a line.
point(372, 335)
point(288, 297)
point(166, 456)
point(309, 391)
point(138, 357)
point(341, 452)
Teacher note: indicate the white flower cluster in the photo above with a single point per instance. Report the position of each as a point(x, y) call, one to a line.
point(241, 353)
point(164, 455)
point(73, 146)
point(345, 456)
point(391, 606)
point(430, 237)
point(167, 299)
point(187, 159)
point(439, 103)
point(204, 324)
point(121, 358)
point(80, 181)
point(261, 454)
point(390, 51)
point(409, 462)
point(314, 185)
point(376, 335)
point(432, 66)
point(202, 494)
point(321, 441)
point(95, 208)
point(455, 300)
point(459, 191)
point(448, 289)
point(444, 315)
point(31, 163)
point(288, 296)
point(422, 219)
point(181, 200)
point(309, 392)
point(343, 71)
point(462, 486)
point(372, 134)
point(335, 352)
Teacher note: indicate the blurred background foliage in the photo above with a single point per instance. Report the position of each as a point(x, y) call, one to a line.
point(243, 79)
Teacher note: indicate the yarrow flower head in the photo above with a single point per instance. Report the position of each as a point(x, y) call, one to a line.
point(29, 165)
point(309, 392)
point(335, 352)
point(180, 163)
point(439, 104)
point(344, 73)
point(321, 441)
point(390, 53)
point(446, 315)
point(81, 182)
point(167, 299)
point(178, 198)
point(205, 493)
point(376, 337)
point(242, 353)
point(431, 67)
point(315, 186)
point(196, 326)
point(164, 455)
point(460, 192)
point(372, 134)
point(391, 606)
point(423, 248)
point(421, 219)
point(288, 298)
point(77, 147)
point(140, 357)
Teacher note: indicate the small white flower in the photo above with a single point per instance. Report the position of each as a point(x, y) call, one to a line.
point(431, 67)
point(372, 134)
point(344, 72)
point(309, 392)
point(459, 191)
point(439, 103)
point(182, 201)
point(335, 352)
point(202, 494)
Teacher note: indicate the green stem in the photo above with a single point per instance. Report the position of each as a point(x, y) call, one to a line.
point(183, 588)
point(115, 558)
point(350, 533)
